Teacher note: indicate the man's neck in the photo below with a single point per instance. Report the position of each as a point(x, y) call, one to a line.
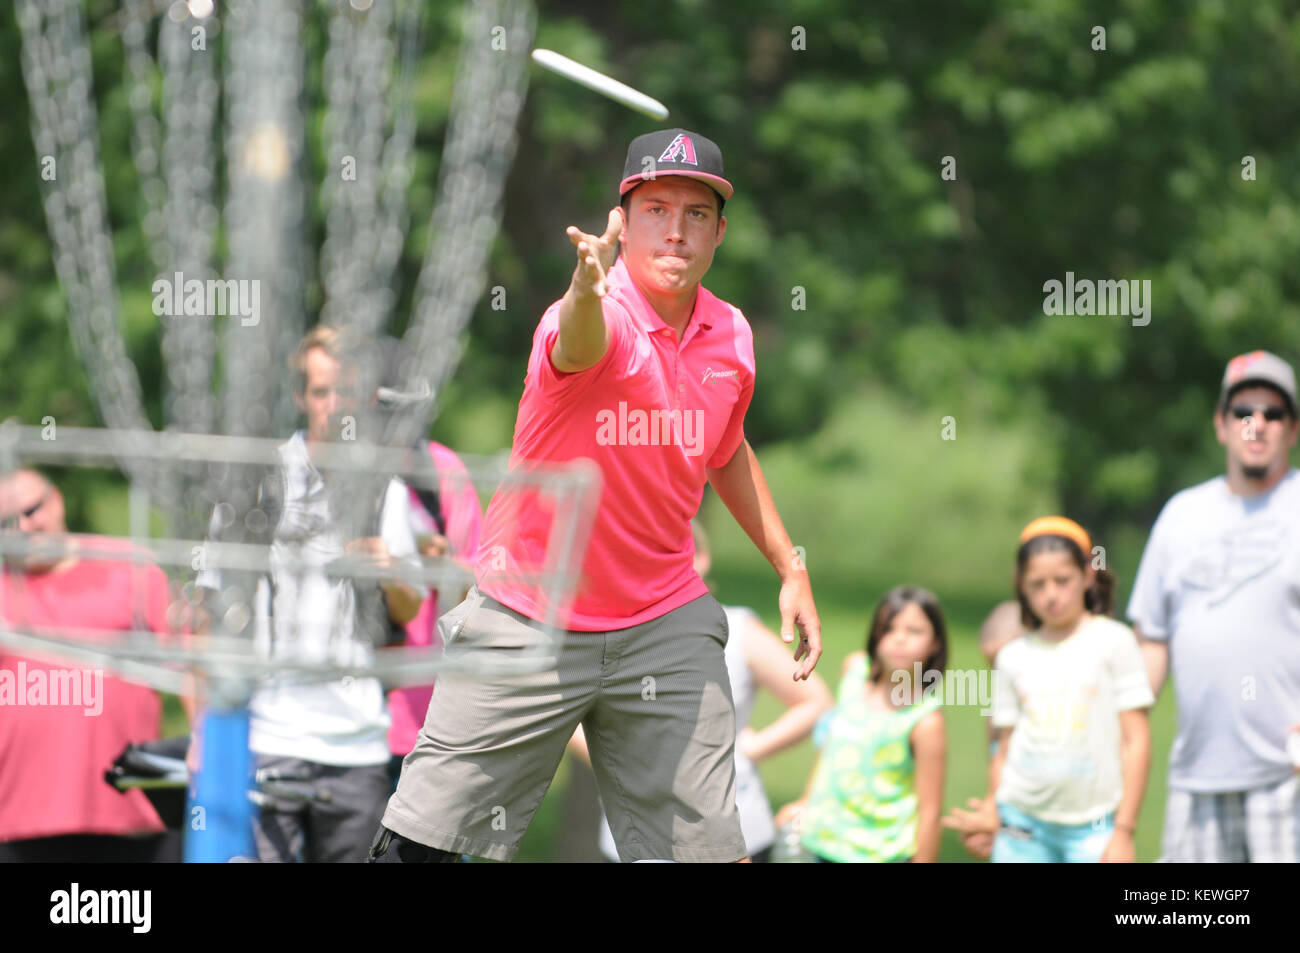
point(1239, 484)
point(63, 565)
point(312, 445)
point(53, 569)
point(674, 309)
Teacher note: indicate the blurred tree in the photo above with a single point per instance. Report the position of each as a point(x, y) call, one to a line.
point(910, 174)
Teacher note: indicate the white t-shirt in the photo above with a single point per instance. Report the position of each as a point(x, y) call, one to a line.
point(1063, 699)
point(1219, 582)
point(313, 618)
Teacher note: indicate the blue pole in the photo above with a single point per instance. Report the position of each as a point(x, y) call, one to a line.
point(219, 821)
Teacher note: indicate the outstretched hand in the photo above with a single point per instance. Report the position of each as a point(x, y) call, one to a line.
point(596, 255)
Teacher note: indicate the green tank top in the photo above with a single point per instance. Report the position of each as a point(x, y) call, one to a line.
point(863, 803)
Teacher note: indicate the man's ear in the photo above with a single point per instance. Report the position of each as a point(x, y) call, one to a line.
point(299, 401)
point(1221, 427)
point(722, 230)
point(622, 232)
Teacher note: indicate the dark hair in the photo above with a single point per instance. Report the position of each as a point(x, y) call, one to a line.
point(1100, 597)
point(894, 602)
point(626, 200)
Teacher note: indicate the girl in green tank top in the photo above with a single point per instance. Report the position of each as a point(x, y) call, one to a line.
point(875, 793)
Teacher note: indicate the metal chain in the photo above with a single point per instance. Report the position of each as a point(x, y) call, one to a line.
point(476, 157)
point(178, 182)
point(57, 71)
point(191, 96)
point(264, 209)
point(357, 68)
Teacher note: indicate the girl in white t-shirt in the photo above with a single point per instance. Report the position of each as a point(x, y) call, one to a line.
point(1070, 709)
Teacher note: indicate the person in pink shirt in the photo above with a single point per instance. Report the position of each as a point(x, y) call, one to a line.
point(446, 525)
point(644, 372)
point(61, 725)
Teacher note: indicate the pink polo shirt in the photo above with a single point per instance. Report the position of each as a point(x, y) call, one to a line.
point(653, 415)
point(63, 725)
point(464, 525)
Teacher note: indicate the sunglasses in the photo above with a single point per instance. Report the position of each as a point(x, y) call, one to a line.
point(1271, 414)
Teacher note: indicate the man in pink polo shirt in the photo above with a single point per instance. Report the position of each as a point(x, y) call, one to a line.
point(62, 725)
point(641, 370)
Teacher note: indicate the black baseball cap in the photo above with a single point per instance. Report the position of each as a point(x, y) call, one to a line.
point(674, 152)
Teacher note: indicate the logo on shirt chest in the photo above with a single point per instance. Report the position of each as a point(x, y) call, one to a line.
point(710, 374)
point(1220, 566)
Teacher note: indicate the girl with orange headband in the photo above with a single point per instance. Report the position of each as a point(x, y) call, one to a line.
point(1070, 708)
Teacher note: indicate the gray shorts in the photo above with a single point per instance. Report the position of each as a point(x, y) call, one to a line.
point(1260, 825)
point(654, 701)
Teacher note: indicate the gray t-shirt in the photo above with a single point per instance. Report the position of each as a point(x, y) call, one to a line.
point(1220, 581)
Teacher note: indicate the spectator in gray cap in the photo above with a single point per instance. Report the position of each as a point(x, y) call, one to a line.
point(1217, 602)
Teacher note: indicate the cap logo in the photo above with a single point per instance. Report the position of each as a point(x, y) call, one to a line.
point(1241, 363)
point(683, 146)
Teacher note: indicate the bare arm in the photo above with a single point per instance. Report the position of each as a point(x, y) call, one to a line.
point(804, 702)
point(794, 810)
point(583, 337)
point(930, 751)
point(979, 821)
point(740, 485)
point(1135, 762)
point(404, 600)
point(1155, 654)
point(792, 813)
point(998, 760)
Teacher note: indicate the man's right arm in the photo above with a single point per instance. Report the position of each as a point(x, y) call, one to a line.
point(1148, 604)
point(583, 337)
point(1155, 655)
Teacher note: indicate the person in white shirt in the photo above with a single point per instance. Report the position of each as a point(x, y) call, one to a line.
point(1070, 708)
point(1217, 605)
point(331, 736)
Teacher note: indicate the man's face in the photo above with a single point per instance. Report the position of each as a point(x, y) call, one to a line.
point(1257, 447)
point(30, 505)
point(329, 393)
point(670, 232)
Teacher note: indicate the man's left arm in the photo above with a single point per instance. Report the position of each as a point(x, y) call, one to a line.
point(739, 483)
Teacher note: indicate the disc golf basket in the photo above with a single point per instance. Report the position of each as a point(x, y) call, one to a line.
point(217, 648)
point(216, 93)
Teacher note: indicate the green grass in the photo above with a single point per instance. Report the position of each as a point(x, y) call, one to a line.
point(844, 618)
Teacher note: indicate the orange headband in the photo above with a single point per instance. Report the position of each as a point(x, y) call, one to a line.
point(1058, 526)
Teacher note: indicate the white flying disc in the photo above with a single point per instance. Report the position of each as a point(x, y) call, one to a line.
point(600, 83)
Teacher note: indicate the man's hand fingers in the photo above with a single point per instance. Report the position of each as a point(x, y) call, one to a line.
point(614, 227)
point(590, 272)
point(578, 236)
point(810, 649)
point(787, 624)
